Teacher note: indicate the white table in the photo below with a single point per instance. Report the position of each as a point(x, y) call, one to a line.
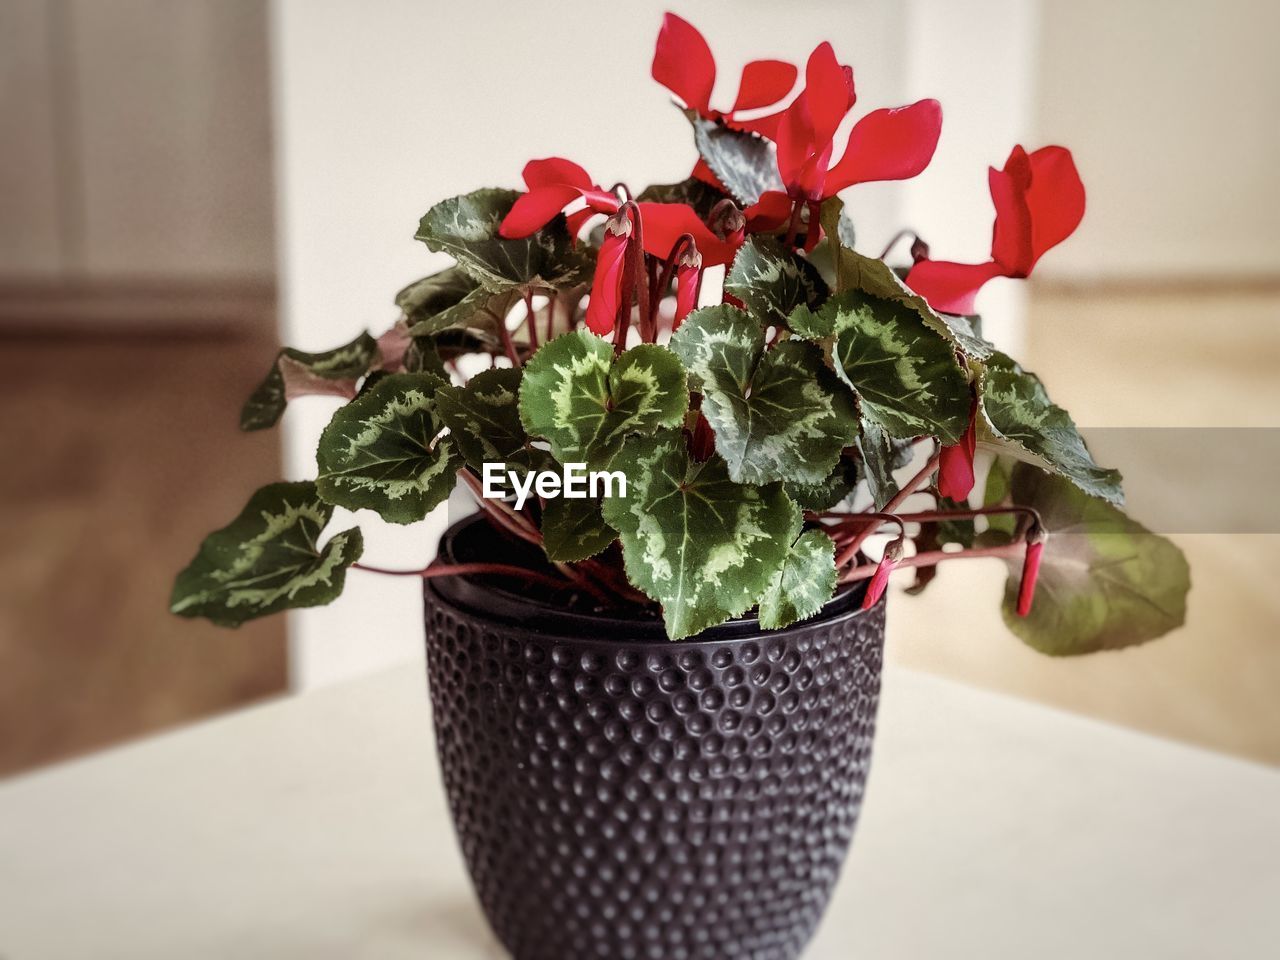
point(315, 827)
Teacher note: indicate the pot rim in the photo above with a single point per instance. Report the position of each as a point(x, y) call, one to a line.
point(492, 602)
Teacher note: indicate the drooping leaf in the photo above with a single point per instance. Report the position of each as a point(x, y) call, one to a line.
point(828, 494)
point(295, 373)
point(466, 228)
point(1019, 411)
point(778, 414)
point(881, 455)
point(704, 547)
point(268, 559)
point(574, 529)
point(422, 356)
point(582, 400)
point(1106, 581)
point(773, 282)
point(384, 451)
point(703, 197)
point(905, 374)
point(430, 296)
point(966, 333)
point(806, 582)
point(743, 162)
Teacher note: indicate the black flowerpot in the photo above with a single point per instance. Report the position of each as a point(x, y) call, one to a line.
point(619, 796)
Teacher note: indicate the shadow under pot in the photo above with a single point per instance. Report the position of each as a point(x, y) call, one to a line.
point(620, 796)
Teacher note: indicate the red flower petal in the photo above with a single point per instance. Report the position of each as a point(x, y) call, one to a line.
point(688, 276)
point(533, 210)
point(829, 91)
point(955, 465)
point(577, 220)
point(770, 212)
point(888, 145)
point(1039, 200)
point(553, 171)
point(764, 82)
point(951, 287)
point(665, 223)
point(1030, 573)
point(879, 582)
point(606, 285)
point(682, 62)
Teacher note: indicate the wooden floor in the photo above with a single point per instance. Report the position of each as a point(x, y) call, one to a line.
point(120, 453)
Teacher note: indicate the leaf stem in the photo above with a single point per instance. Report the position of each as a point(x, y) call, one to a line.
point(531, 321)
point(848, 553)
point(468, 569)
point(933, 557)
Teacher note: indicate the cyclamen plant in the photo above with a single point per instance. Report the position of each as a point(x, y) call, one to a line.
point(764, 438)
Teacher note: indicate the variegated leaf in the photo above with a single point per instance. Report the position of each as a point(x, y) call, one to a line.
point(778, 414)
point(483, 418)
point(807, 581)
point(295, 373)
point(773, 282)
point(466, 228)
point(574, 529)
point(1019, 411)
point(268, 559)
point(703, 197)
point(881, 455)
point(704, 547)
point(743, 162)
point(831, 492)
point(426, 298)
point(833, 213)
point(384, 452)
point(904, 372)
point(1105, 580)
point(582, 400)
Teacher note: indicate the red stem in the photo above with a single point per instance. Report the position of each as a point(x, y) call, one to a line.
point(933, 557)
point(468, 569)
point(530, 320)
point(851, 551)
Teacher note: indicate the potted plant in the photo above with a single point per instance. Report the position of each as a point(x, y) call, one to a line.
point(655, 653)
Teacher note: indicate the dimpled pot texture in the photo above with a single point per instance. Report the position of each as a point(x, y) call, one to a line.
point(620, 796)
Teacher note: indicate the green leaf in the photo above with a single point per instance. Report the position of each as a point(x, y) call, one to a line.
point(482, 312)
point(483, 417)
point(828, 494)
point(778, 414)
point(773, 282)
point(421, 356)
point(574, 529)
point(466, 228)
point(268, 559)
point(881, 455)
point(294, 373)
point(1019, 411)
point(704, 547)
point(700, 195)
point(807, 581)
point(832, 212)
point(905, 374)
point(383, 451)
point(430, 296)
point(743, 162)
point(1106, 581)
point(582, 400)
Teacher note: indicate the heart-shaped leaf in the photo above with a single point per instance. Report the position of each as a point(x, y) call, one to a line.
point(743, 162)
point(295, 373)
point(904, 372)
point(466, 228)
point(806, 582)
point(268, 559)
point(430, 296)
point(773, 282)
point(1020, 412)
point(831, 492)
point(383, 451)
point(483, 418)
point(574, 529)
point(704, 547)
point(582, 400)
point(778, 414)
point(1105, 580)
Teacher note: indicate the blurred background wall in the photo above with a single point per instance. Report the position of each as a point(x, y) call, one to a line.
point(167, 165)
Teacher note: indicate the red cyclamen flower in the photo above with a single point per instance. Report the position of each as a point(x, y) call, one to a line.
point(955, 461)
point(684, 64)
point(880, 579)
point(606, 285)
point(555, 183)
point(884, 145)
point(688, 279)
point(1039, 201)
point(1030, 570)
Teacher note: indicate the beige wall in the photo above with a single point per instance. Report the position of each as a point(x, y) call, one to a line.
point(137, 141)
point(1173, 110)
